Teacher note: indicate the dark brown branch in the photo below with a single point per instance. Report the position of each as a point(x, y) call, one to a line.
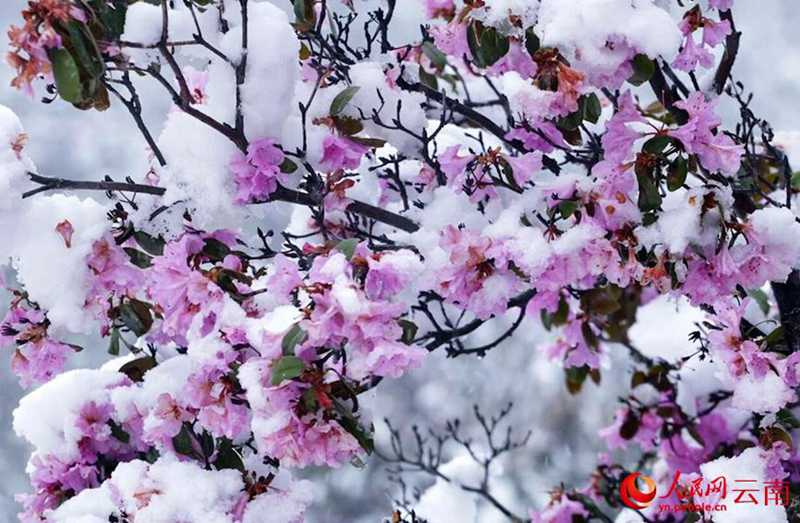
point(282, 194)
point(729, 57)
point(788, 297)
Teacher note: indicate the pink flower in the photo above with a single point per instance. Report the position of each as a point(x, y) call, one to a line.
point(258, 173)
point(196, 81)
point(169, 416)
point(297, 438)
point(211, 391)
point(525, 166)
point(564, 510)
point(716, 151)
point(182, 292)
point(722, 5)
point(619, 137)
point(439, 8)
point(691, 55)
point(715, 32)
point(341, 153)
point(451, 38)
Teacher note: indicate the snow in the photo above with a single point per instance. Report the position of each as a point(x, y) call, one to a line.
point(56, 275)
point(271, 71)
point(769, 394)
point(143, 23)
point(158, 493)
point(583, 30)
point(675, 320)
point(748, 465)
point(445, 501)
point(375, 95)
point(49, 425)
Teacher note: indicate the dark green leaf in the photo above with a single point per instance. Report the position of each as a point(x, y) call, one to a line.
point(137, 368)
point(67, 75)
point(409, 331)
point(215, 250)
point(348, 126)
point(118, 432)
point(630, 426)
point(227, 457)
point(486, 44)
point(136, 316)
point(567, 208)
point(150, 244)
point(182, 442)
point(574, 378)
point(342, 99)
point(643, 69)
point(649, 195)
point(287, 368)
point(292, 339)
point(657, 144)
point(288, 166)
point(676, 176)
point(138, 258)
point(437, 58)
point(591, 108)
point(353, 427)
point(761, 298)
point(113, 346)
point(532, 43)
point(347, 247)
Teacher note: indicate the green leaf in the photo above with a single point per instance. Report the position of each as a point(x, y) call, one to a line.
point(643, 69)
point(486, 44)
point(572, 121)
point(574, 377)
point(227, 457)
point(649, 195)
point(67, 75)
point(532, 43)
point(630, 426)
point(118, 432)
point(350, 424)
point(787, 418)
point(288, 166)
point(215, 250)
point(761, 298)
point(182, 442)
point(113, 346)
point(656, 144)
point(348, 126)
point(342, 99)
point(292, 339)
point(305, 15)
point(409, 331)
point(591, 108)
point(138, 258)
point(437, 58)
point(137, 368)
point(347, 247)
point(150, 244)
point(136, 316)
point(567, 208)
point(676, 176)
point(287, 368)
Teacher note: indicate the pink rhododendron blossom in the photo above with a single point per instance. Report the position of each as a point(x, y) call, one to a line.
point(341, 153)
point(258, 173)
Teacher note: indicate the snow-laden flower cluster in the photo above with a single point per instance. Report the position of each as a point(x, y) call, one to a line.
point(319, 214)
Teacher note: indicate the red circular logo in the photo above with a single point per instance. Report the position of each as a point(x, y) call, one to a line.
point(635, 497)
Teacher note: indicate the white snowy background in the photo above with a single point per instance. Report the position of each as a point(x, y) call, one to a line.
point(74, 144)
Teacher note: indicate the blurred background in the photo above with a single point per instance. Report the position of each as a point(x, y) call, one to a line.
point(563, 445)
